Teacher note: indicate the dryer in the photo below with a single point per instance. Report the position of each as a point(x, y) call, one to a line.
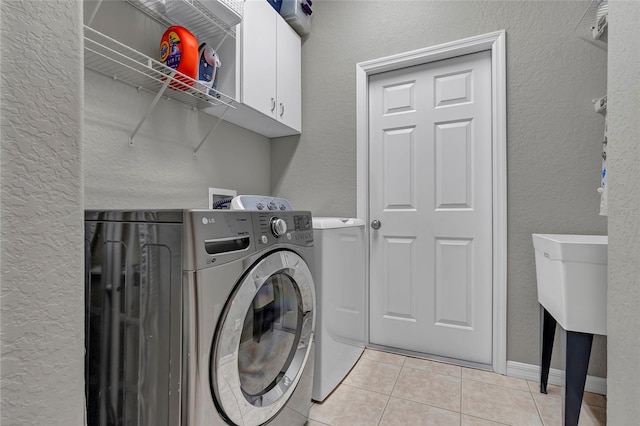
point(340, 293)
point(199, 317)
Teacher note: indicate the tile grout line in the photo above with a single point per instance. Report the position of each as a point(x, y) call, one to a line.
point(535, 403)
point(429, 405)
point(392, 389)
point(461, 390)
point(501, 386)
point(429, 370)
point(488, 420)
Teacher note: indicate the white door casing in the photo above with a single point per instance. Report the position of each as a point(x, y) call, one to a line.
point(430, 186)
point(495, 43)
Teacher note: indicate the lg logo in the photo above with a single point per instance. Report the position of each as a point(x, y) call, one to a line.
point(206, 220)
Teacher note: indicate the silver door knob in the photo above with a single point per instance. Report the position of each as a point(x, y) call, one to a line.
point(376, 224)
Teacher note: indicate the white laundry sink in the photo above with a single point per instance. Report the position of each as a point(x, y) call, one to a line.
point(572, 280)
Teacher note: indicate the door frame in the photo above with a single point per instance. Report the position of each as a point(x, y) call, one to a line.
point(494, 42)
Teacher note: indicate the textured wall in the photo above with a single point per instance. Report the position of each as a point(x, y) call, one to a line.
point(159, 171)
point(41, 196)
point(624, 214)
point(553, 133)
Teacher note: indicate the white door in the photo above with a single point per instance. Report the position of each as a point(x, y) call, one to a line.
point(430, 183)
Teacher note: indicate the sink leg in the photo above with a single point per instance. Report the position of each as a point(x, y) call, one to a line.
point(577, 353)
point(548, 328)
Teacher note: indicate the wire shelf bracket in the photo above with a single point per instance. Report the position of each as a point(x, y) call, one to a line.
point(594, 18)
point(120, 62)
point(151, 107)
point(195, 151)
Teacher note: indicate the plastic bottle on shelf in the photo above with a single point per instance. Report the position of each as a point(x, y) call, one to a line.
point(208, 68)
point(179, 50)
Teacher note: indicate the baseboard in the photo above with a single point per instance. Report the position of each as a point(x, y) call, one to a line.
point(532, 372)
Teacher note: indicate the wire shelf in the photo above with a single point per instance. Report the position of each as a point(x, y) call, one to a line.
point(592, 15)
point(194, 16)
point(118, 61)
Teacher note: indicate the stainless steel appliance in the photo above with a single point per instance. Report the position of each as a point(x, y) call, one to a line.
point(199, 317)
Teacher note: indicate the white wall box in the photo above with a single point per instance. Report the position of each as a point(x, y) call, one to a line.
point(268, 74)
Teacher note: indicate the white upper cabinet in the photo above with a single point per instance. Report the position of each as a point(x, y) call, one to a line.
point(270, 81)
point(258, 56)
point(289, 78)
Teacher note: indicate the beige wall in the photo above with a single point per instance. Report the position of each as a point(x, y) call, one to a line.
point(65, 147)
point(553, 152)
point(42, 338)
point(553, 132)
point(624, 214)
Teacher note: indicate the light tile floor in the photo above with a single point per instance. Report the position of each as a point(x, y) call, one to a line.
point(393, 390)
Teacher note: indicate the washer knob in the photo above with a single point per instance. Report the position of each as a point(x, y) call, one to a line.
point(278, 226)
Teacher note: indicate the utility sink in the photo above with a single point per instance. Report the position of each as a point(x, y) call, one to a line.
point(572, 280)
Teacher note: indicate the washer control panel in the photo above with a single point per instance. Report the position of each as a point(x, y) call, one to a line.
point(260, 203)
point(292, 227)
point(223, 236)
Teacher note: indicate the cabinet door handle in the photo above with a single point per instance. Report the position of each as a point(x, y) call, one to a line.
point(281, 109)
point(273, 104)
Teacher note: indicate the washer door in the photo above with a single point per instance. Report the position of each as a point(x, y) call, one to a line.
point(264, 338)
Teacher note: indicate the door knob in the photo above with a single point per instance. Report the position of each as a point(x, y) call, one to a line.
point(376, 224)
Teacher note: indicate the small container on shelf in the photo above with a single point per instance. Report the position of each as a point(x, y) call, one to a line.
point(179, 50)
point(208, 69)
point(298, 14)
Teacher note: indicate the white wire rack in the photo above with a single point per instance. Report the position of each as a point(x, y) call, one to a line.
point(235, 6)
point(593, 17)
point(193, 15)
point(120, 62)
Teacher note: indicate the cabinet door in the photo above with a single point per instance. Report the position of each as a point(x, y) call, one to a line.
point(289, 79)
point(259, 57)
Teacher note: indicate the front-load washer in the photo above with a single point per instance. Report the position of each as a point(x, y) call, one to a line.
point(199, 317)
point(340, 293)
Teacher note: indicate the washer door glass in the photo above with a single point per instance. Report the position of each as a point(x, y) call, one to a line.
point(264, 338)
point(272, 327)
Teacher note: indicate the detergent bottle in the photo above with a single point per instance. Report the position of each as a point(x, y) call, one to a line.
point(179, 50)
